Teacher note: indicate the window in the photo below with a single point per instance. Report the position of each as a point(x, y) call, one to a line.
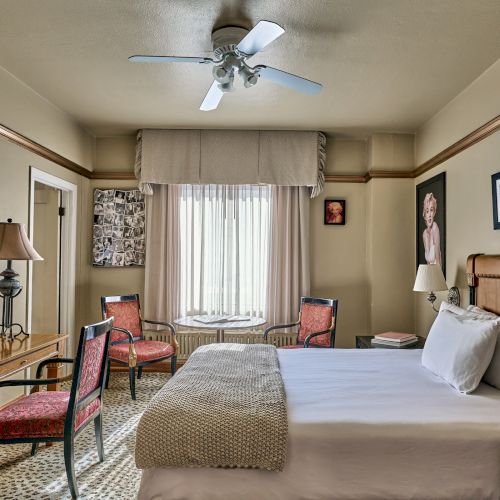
point(224, 242)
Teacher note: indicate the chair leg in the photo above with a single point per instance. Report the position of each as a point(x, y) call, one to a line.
point(108, 371)
point(131, 374)
point(69, 462)
point(34, 449)
point(173, 364)
point(98, 437)
point(139, 373)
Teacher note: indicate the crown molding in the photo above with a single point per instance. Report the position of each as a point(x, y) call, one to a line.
point(38, 149)
point(461, 145)
point(113, 176)
point(466, 142)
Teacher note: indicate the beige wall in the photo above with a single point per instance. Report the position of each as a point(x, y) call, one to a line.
point(390, 268)
point(338, 264)
point(115, 154)
point(112, 154)
point(14, 203)
point(372, 297)
point(474, 106)
point(469, 220)
point(109, 281)
point(391, 152)
point(26, 112)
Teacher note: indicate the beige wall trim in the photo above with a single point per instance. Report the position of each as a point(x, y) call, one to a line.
point(48, 154)
point(113, 176)
point(466, 142)
point(373, 174)
point(347, 178)
point(390, 174)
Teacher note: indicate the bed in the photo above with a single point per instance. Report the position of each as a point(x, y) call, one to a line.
point(367, 424)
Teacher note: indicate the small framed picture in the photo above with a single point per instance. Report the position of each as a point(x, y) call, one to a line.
point(335, 212)
point(495, 191)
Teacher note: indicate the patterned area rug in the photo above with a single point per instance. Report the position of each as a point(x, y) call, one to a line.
point(44, 476)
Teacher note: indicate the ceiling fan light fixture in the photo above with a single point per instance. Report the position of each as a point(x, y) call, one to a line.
point(220, 74)
point(232, 47)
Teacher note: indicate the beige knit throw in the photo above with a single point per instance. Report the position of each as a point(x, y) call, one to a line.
point(225, 408)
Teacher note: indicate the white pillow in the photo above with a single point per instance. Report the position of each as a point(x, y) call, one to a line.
point(492, 374)
point(459, 349)
point(482, 312)
point(446, 306)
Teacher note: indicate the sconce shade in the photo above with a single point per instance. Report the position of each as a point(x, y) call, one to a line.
point(14, 243)
point(430, 278)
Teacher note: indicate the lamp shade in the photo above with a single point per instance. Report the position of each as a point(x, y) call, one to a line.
point(429, 278)
point(14, 243)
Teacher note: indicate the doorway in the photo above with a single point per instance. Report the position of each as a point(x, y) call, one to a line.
point(51, 282)
point(46, 274)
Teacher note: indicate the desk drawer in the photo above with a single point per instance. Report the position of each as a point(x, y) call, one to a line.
point(27, 360)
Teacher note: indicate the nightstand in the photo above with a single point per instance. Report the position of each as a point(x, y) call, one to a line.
point(364, 342)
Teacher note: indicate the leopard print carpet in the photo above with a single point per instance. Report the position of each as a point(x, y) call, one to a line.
point(44, 476)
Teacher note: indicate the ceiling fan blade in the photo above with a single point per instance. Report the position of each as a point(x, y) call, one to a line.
point(288, 80)
point(213, 97)
point(199, 60)
point(262, 34)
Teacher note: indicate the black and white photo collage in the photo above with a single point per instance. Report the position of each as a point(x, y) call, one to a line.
point(118, 233)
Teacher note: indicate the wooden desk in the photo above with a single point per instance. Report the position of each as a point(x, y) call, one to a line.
point(24, 352)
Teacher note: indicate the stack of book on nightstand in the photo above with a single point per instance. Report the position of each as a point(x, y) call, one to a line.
point(394, 340)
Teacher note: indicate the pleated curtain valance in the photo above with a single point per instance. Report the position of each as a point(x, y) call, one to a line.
point(278, 157)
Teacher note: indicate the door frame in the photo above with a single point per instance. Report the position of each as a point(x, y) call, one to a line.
point(68, 251)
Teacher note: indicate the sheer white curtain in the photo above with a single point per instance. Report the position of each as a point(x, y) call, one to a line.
point(224, 249)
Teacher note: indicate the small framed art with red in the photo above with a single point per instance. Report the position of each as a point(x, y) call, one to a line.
point(335, 212)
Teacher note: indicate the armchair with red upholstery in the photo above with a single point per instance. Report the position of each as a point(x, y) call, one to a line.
point(128, 346)
point(317, 324)
point(47, 416)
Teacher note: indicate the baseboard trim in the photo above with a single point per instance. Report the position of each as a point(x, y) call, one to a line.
point(161, 367)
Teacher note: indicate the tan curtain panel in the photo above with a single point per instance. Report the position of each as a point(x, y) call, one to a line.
point(288, 267)
point(282, 158)
point(162, 270)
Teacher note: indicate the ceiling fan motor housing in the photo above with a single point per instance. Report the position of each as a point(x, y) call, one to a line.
point(230, 60)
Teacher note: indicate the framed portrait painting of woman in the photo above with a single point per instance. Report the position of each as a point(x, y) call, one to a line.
point(431, 221)
point(334, 212)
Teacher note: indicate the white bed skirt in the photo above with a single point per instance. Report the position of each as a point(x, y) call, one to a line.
point(364, 424)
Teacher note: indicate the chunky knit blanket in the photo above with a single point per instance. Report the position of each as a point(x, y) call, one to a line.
point(225, 407)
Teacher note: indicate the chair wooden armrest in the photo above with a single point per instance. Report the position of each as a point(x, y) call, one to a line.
point(170, 326)
point(278, 327)
point(130, 338)
point(312, 335)
point(132, 355)
point(35, 382)
point(50, 361)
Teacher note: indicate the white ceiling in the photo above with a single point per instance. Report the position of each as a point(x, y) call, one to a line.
point(386, 65)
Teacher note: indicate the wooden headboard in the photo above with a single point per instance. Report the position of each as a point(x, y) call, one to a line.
point(483, 278)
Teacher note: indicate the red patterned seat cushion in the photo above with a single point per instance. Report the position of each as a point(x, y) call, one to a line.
point(315, 318)
point(146, 350)
point(41, 414)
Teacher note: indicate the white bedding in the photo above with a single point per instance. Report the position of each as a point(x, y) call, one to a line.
point(363, 424)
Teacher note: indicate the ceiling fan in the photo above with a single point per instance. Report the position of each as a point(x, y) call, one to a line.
point(232, 47)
